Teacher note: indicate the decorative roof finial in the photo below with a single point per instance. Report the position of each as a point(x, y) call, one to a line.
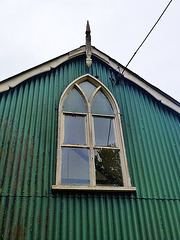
point(88, 45)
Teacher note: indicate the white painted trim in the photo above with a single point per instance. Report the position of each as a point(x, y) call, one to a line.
point(159, 95)
point(90, 141)
point(47, 66)
point(93, 188)
point(152, 91)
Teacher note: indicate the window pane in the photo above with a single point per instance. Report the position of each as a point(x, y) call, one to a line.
point(104, 131)
point(74, 130)
point(101, 105)
point(74, 102)
point(75, 166)
point(88, 88)
point(108, 167)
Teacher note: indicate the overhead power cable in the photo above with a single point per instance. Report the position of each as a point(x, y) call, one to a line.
point(146, 36)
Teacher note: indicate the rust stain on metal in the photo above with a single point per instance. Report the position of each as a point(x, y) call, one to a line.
point(18, 232)
point(26, 146)
point(32, 147)
point(24, 157)
point(5, 123)
point(15, 182)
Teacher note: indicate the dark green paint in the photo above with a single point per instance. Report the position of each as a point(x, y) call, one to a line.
point(28, 137)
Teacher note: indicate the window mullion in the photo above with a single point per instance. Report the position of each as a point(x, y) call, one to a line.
point(96, 172)
point(91, 153)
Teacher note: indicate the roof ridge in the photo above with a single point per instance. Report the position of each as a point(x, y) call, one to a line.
point(13, 81)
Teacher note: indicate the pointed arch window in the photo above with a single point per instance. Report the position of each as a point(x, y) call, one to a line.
point(90, 151)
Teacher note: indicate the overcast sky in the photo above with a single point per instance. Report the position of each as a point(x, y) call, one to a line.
point(35, 31)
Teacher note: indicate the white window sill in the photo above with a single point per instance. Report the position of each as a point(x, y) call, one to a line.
point(95, 188)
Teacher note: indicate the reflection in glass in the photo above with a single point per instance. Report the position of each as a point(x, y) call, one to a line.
point(74, 130)
point(75, 166)
point(74, 102)
point(88, 88)
point(108, 167)
point(104, 131)
point(101, 105)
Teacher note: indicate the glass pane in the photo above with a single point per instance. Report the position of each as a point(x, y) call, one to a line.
point(104, 131)
point(108, 167)
point(74, 102)
point(75, 166)
point(101, 105)
point(74, 130)
point(88, 88)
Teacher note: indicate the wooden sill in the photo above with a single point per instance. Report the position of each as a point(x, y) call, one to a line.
point(94, 188)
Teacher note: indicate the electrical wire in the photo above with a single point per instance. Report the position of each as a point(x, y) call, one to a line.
point(146, 37)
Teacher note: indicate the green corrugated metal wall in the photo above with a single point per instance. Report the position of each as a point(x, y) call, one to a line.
point(76, 217)
point(28, 132)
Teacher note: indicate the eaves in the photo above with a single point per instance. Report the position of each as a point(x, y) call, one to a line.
point(13, 81)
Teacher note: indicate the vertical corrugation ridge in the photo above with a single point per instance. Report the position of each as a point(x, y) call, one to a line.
point(28, 138)
point(27, 125)
point(140, 119)
point(9, 168)
point(172, 140)
point(161, 147)
point(79, 216)
point(23, 139)
point(35, 134)
point(151, 147)
point(4, 106)
point(148, 143)
point(135, 135)
point(16, 132)
point(141, 138)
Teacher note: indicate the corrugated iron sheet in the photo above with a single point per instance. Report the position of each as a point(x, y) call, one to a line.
point(28, 133)
point(82, 217)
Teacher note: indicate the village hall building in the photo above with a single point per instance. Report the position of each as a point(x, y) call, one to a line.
point(88, 151)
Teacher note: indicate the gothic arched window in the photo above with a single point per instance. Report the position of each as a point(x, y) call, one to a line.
point(90, 151)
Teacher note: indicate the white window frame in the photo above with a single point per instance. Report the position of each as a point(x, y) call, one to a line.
point(90, 140)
